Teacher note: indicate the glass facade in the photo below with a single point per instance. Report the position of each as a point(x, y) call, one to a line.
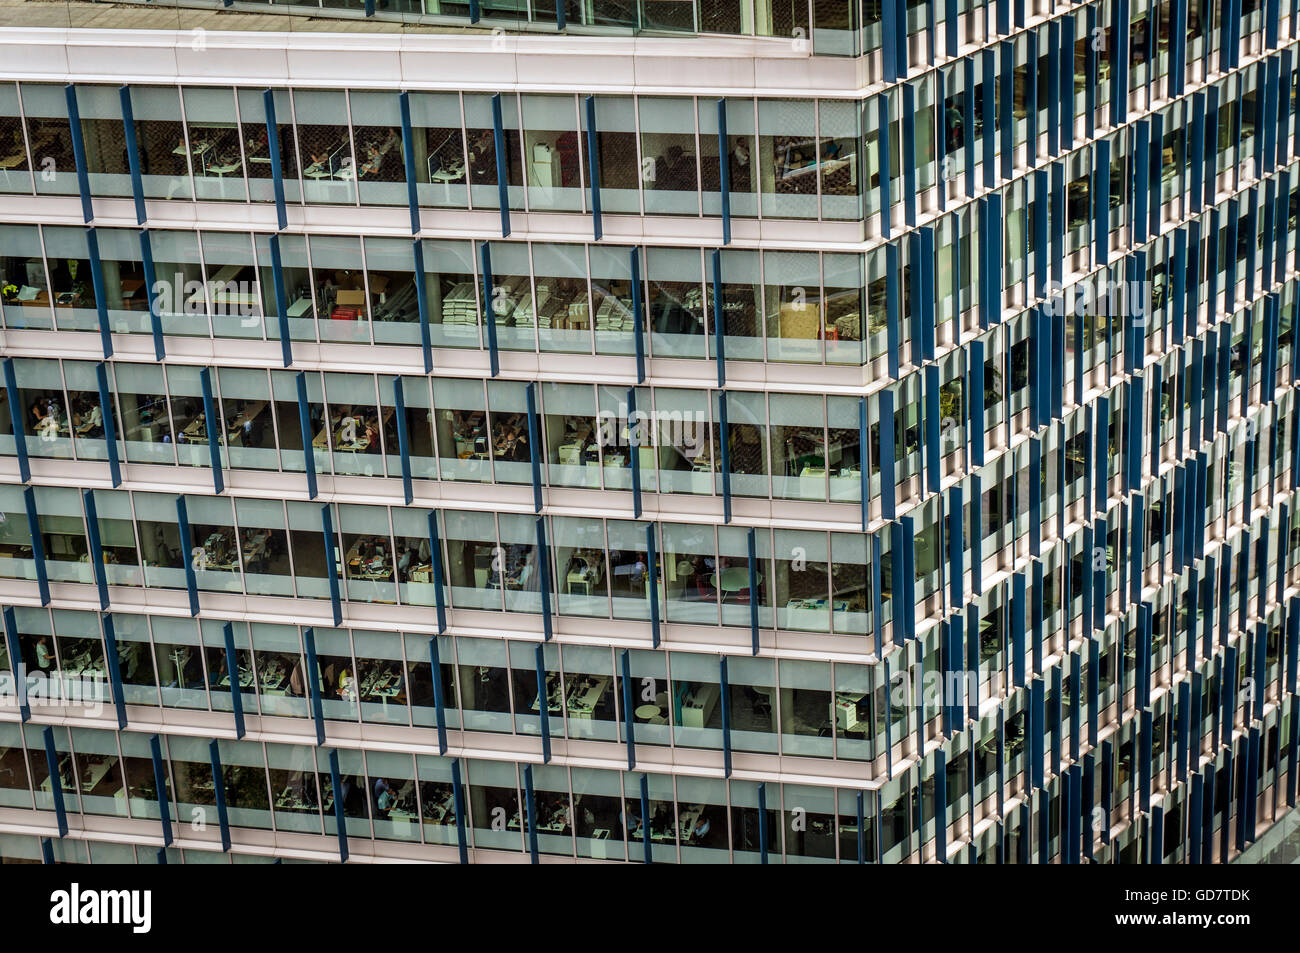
point(896, 465)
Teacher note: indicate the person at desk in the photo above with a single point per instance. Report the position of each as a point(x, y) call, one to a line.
point(374, 159)
point(675, 170)
point(740, 167)
point(347, 690)
point(512, 444)
point(385, 798)
point(44, 657)
point(89, 423)
point(256, 145)
point(481, 148)
point(630, 822)
point(700, 828)
point(405, 562)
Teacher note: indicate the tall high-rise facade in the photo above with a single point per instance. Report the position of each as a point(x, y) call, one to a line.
point(648, 430)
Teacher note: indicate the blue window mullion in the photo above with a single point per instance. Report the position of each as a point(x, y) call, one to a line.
point(281, 301)
point(96, 550)
point(133, 155)
point(719, 328)
point(408, 157)
point(336, 786)
point(273, 154)
point(304, 427)
point(882, 149)
point(634, 450)
point(1006, 86)
point(213, 424)
point(79, 152)
point(151, 294)
point(534, 444)
point(232, 667)
point(544, 576)
point(101, 295)
point(489, 306)
point(975, 389)
point(219, 793)
point(968, 124)
point(426, 342)
point(187, 552)
point(1101, 203)
point(593, 163)
point(908, 122)
point(885, 425)
point(114, 665)
point(160, 787)
point(629, 726)
point(1031, 99)
point(724, 172)
point(314, 677)
point(892, 331)
point(435, 560)
point(543, 701)
point(933, 452)
point(723, 446)
point(403, 440)
point(331, 562)
point(638, 312)
point(1054, 78)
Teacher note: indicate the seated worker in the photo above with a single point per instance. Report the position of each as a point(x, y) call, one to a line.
point(89, 423)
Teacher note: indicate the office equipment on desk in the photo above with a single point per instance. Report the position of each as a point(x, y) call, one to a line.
point(441, 811)
point(694, 708)
point(586, 694)
point(452, 172)
point(554, 694)
point(374, 564)
point(196, 149)
point(586, 572)
point(847, 711)
point(196, 431)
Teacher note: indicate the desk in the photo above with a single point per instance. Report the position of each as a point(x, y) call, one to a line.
point(375, 569)
point(249, 413)
point(698, 706)
point(586, 694)
point(381, 683)
point(198, 149)
point(292, 800)
point(254, 548)
point(554, 695)
point(732, 580)
point(196, 432)
point(95, 772)
point(443, 811)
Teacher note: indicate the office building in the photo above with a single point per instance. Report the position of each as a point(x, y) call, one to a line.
point(670, 431)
